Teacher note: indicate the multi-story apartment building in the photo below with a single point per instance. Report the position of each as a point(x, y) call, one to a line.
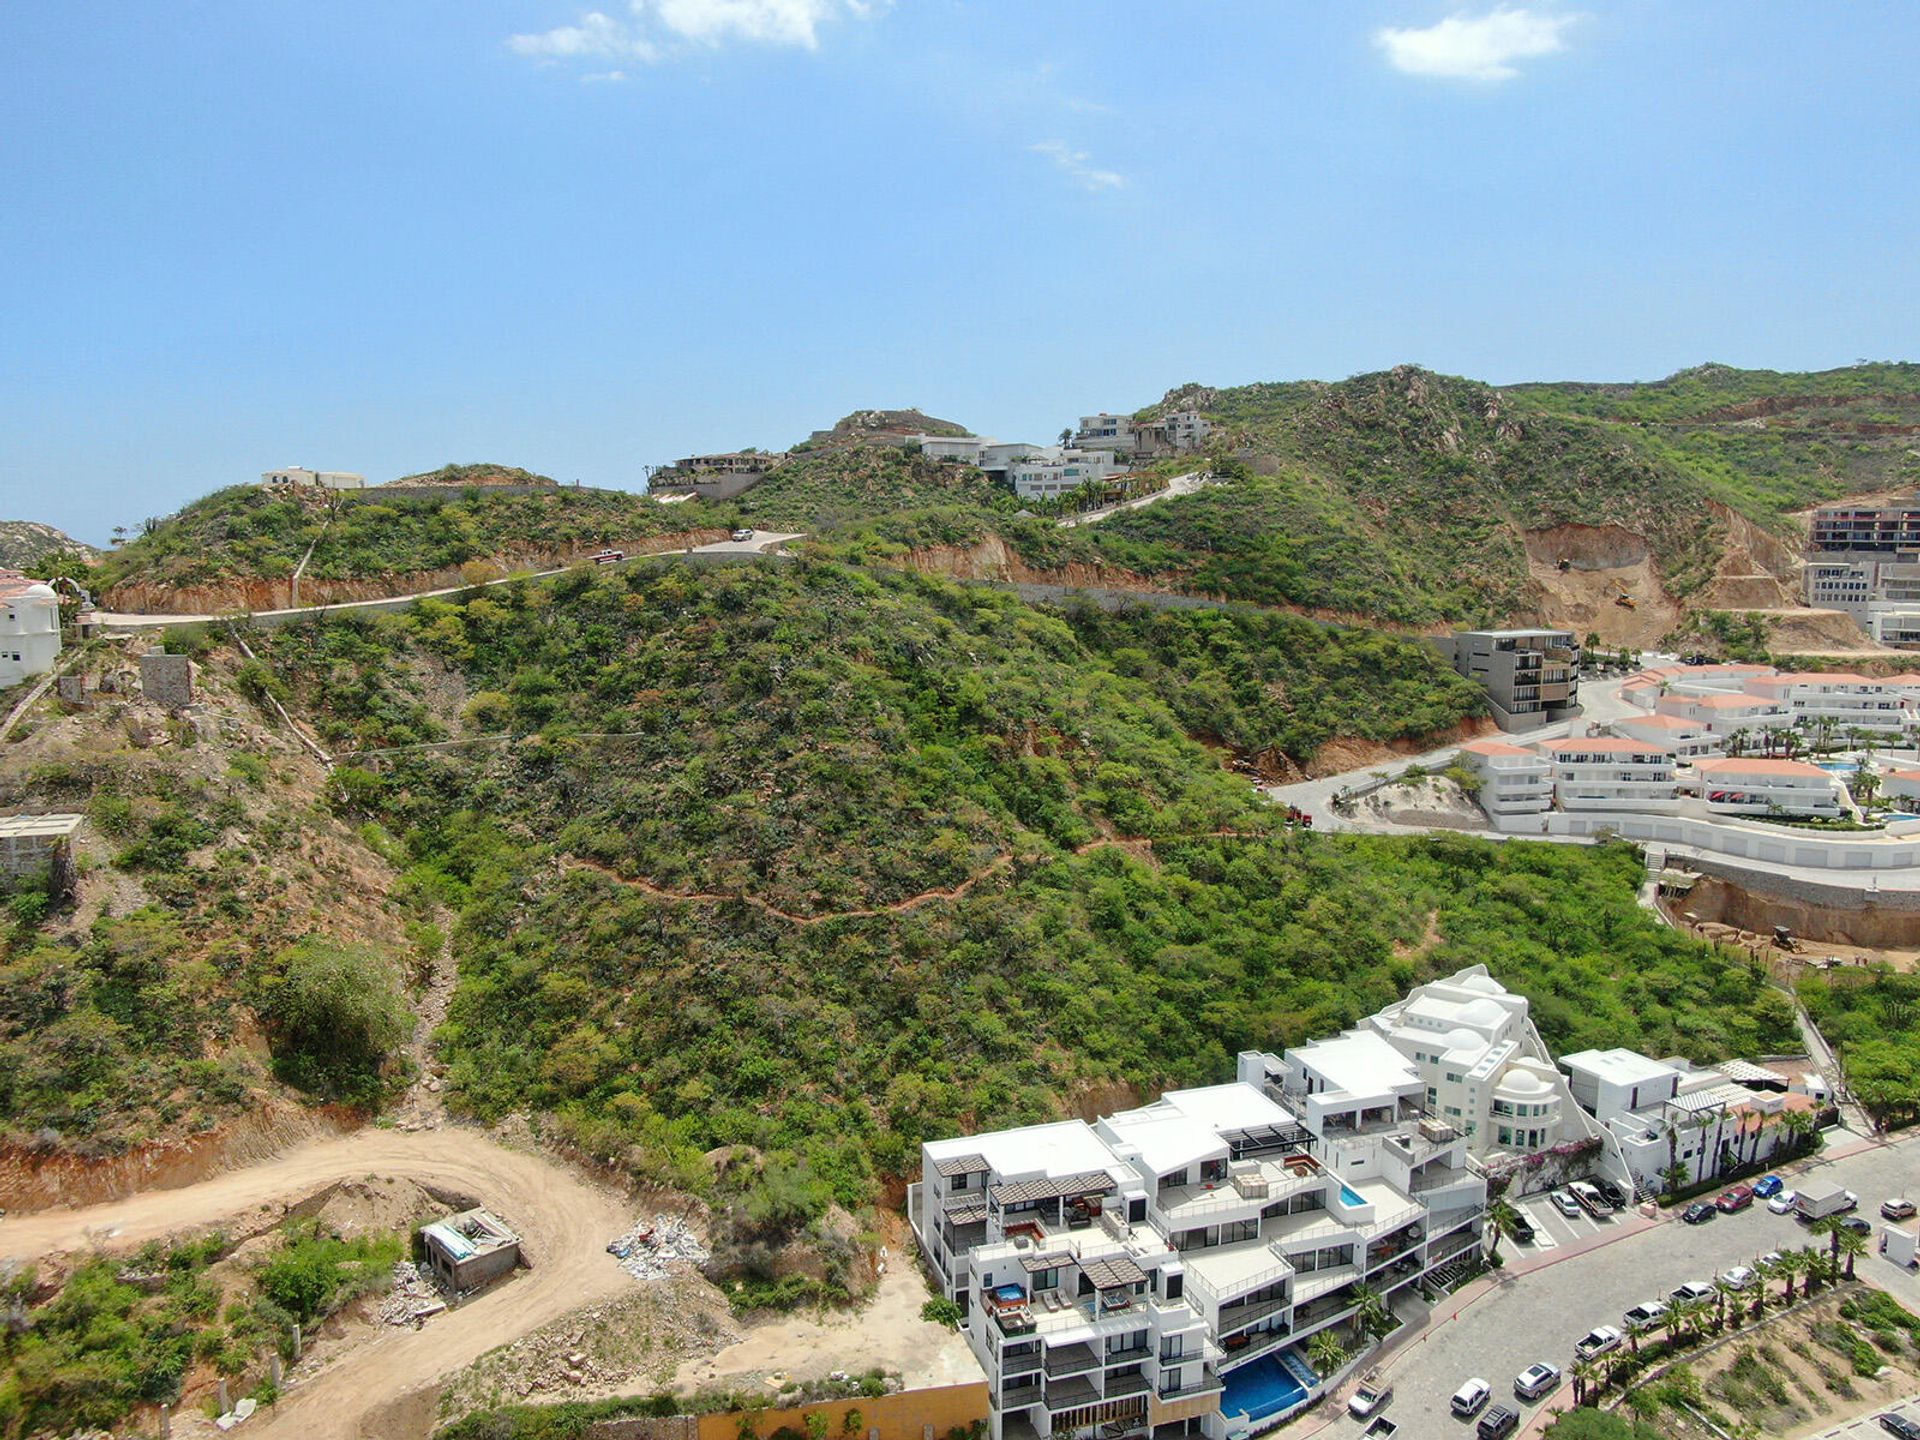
point(29, 627)
point(1155, 1274)
point(1612, 773)
point(290, 476)
point(1053, 471)
point(1685, 740)
point(1180, 432)
point(1844, 700)
point(1724, 715)
point(1105, 432)
point(1514, 780)
point(1531, 676)
point(1890, 529)
point(1749, 785)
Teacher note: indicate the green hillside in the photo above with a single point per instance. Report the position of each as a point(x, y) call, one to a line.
point(942, 860)
point(826, 488)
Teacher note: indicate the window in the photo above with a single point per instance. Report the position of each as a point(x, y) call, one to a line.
point(962, 1182)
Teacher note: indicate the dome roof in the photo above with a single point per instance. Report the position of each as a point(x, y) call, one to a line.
point(1483, 984)
point(40, 592)
point(1463, 1039)
point(1482, 1012)
point(1523, 1082)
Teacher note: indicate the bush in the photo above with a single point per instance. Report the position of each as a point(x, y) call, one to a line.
point(335, 1017)
point(942, 1311)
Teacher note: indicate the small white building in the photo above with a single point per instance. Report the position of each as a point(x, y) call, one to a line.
point(1900, 785)
point(1513, 779)
point(29, 627)
point(294, 476)
point(1750, 785)
point(1105, 432)
point(964, 448)
point(1612, 773)
point(1683, 739)
point(1724, 715)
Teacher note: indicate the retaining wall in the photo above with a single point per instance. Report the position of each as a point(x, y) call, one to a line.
point(909, 1415)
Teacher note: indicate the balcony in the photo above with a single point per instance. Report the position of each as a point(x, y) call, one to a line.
point(1206, 1384)
point(1119, 1386)
point(1256, 1346)
point(1020, 1364)
point(1243, 1313)
point(1074, 1359)
point(1131, 1356)
point(1064, 1393)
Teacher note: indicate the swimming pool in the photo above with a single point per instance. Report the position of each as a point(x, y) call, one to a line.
point(1270, 1386)
point(1839, 767)
point(1351, 1196)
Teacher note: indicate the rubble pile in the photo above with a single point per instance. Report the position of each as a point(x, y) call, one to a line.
point(414, 1296)
point(646, 1250)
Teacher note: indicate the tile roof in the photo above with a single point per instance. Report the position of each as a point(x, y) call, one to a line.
point(961, 1165)
point(1607, 745)
point(1025, 1192)
point(1751, 765)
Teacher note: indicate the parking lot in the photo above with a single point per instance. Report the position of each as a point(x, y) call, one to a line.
point(1551, 1295)
point(1867, 1427)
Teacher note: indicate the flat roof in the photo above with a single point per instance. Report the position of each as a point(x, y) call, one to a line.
point(21, 827)
point(1183, 1126)
point(1360, 1062)
point(1064, 1147)
point(1618, 1066)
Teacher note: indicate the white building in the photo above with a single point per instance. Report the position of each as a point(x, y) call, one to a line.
point(1900, 785)
point(1749, 785)
point(964, 448)
point(297, 475)
point(1052, 471)
point(29, 627)
point(1662, 1115)
point(1465, 1049)
point(1612, 773)
point(1105, 432)
point(1724, 715)
point(1683, 739)
point(1157, 1273)
point(1844, 700)
point(1513, 779)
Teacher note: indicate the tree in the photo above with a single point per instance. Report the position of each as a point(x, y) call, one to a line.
point(1371, 1315)
point(1852, 1244)
point(1502, 1221)
point(1799, 1128)
point(1326, 1351)
point(1830, 1228)
point(1585, 1374)
point(334, 1016)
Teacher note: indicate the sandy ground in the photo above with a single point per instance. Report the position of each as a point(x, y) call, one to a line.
point(887, 1333)
point(382, 1389)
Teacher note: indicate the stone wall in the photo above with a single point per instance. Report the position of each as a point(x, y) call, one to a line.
point(166, 680)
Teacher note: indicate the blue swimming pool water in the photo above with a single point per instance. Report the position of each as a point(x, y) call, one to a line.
point(1009, 1293)
point(1350, 1196)
point(1839, 767)
point(1266, 1387)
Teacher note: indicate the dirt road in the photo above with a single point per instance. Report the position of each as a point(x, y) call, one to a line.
point(379, 1388)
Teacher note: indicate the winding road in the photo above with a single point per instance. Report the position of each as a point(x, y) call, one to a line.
point(382, 1386)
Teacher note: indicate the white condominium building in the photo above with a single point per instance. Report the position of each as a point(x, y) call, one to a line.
point(1748, 785)
point(29, 627)
point(1841, 699)
point(1722, 715)
point(1612, 773)
point(1052, 471)
point(1156, 1274)
point(1513, 779)
point(1683, 739)
point(966, 449)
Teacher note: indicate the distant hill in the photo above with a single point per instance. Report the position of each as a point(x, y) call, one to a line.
point(22, 542)
point(482, 473)
point(865, 426)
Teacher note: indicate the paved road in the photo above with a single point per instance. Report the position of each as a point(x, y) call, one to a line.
point(761, 542)
point(1601, 704)
point(1180, 485)
point(1550, 1296)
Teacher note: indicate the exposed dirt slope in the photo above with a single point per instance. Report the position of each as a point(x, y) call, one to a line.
point(1604, 564)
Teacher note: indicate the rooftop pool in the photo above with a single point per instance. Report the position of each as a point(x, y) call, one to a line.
point(1351, 1196)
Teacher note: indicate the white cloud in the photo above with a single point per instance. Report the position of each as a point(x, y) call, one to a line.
point(604, 77)
point(1079, 166)
point(652, 30)
point(1479, 48)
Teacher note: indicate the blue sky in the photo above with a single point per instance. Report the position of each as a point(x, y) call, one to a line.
point(381, 237)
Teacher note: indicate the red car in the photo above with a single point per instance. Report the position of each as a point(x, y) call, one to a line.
point(1738, 1198)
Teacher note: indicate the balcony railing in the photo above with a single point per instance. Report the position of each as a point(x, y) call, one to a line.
point(1071, 1360)
point(1244, 1313)
point(1256, 1345)
point(1122, 1385)
point(1205, 1385)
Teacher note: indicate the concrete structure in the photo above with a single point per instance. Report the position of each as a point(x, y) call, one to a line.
point(36, 846)
point(1724, 715)
point(166, 680)
point(1665, 1115)
point(1837, 698)
point(1902, 786)
point(295, 476)
point(1683, 739)
point(1053, 471)
point(1865, 560)
point(470, 1249)
point(1889, 529)
point(1180, 432)
point(1749, 785)
point(1465, 1049)
point(29, 628)
point(1531, 676)
point(964, 448)
point(1611, 773)
point(1513, 779)
point(1154, 1273)
point(1105, 432)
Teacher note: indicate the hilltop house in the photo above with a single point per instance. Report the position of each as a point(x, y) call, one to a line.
point(295, 476)
point(29, 627)
point(1052, 471)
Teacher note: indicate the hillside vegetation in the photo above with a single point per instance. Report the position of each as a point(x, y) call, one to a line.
point(834, 487)
point(825, 863)
point(24, 543)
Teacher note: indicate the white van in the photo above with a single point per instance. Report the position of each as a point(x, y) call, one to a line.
point(1468, 1399)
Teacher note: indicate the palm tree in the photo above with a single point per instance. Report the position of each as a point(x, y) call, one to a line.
point(1813, 1266)
point(1694, 1314)
point(1722, 1293)
point(1585, 1374)
point(1831, 1229)
point(1764, 1270)
point(1852, 1245)
point(1326, 1352)
point(1370, 1316)
point(1502, 1221)
point(1675, 1323)
point(1799, 1127)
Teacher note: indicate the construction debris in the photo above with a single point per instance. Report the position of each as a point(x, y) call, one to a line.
point(414, 1296)
point(646, 1250)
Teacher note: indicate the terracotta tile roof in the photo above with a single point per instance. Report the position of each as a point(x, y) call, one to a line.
point(1496, 747)
point(1661, 722)
point(1752, 765)
point(1607, 745)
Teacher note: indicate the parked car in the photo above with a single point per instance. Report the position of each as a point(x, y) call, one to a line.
point(1367, 1399)
point(1590, 1198)
point(1894, 1423)
point(1772, 1257)
point(1616, 1197)
point(1535, 1381)
point(1497, 1423)
point(1897, 1209)
point(1857, 1225)
point(1698, 1213)
point(1781, 1201)
point(1692, 1290)
point(1468, 1399)
point(1645, 1315)
point(1740, 1277)
point(1734, 1198)
point(1566, 1204)
point(1768, 1186)
point(1521, 1230)
point(1598, 1341)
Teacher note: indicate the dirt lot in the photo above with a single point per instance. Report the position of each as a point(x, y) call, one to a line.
point(1794, 1376)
